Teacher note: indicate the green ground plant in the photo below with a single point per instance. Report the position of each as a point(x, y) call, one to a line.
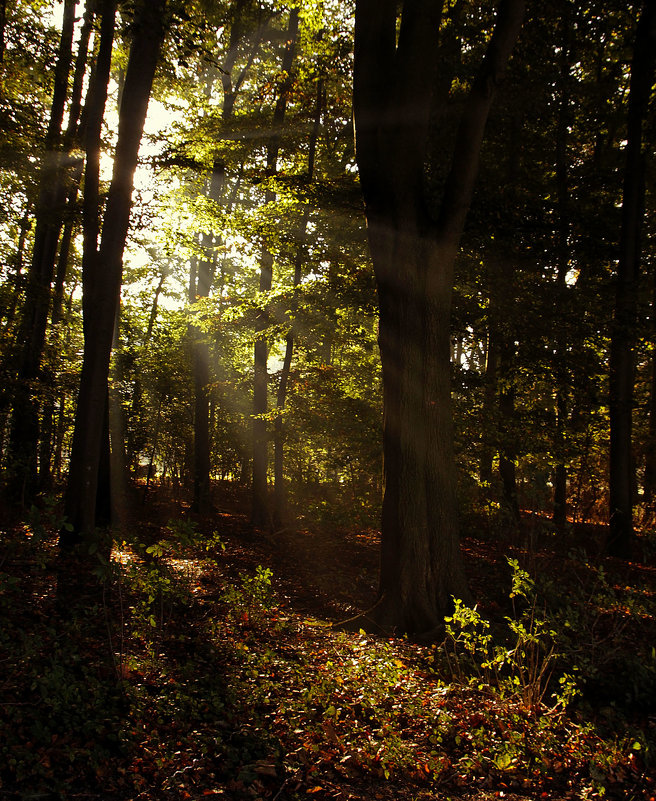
point(522, 665)
point(231, 692)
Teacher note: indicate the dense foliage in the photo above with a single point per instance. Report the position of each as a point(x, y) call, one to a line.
point(534, 289)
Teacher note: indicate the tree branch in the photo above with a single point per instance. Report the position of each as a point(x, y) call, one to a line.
point(460, 182)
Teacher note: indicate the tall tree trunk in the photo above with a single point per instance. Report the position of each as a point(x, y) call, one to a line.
point(649, 479)
point(25, 413)
point(507, 435)
point(260, 515)
point(279, 489)
point(260, 500)
point(201, 371)
point(623, 332)
point(561, 309)
point(413, 251)
point(104, 273)
point(489, 421)
point(202, 271)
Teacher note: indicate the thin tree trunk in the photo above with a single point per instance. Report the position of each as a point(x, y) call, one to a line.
point(279, 489)
point(260, 501)
point(260, 515)
point(649, 480)
point(25, 417)
point(202, 277)
point(201, 370)
point(623, 333)
point(202, 273)
point(507, 433)
point(560, 302)
point(489, 421)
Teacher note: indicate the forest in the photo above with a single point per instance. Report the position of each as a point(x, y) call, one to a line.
point(327, 400)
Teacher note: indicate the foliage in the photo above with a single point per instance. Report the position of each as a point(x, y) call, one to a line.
point(522, 668)
point(231, 691)
point(185, 676)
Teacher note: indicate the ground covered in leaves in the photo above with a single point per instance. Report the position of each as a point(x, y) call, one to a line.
point(207, 660)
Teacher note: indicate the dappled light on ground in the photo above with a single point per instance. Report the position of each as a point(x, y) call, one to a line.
point(212, 670)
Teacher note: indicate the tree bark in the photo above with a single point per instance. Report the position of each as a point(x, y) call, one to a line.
point(103, 277)
point(623, 332)
point(25, 413)
point(413, 246)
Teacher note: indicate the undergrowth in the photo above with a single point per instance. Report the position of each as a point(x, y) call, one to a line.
point(190, 680)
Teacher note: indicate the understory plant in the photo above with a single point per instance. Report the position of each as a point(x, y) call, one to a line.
point(522, 665)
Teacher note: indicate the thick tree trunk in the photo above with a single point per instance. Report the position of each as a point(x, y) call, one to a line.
point(103, 282)
point(421, 568)
point(624, 334)
point(413, 247)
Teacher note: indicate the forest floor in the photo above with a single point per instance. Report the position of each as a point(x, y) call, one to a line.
point(212, 659)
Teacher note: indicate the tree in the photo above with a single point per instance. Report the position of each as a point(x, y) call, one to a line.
point(102, 280)
point(414, 241)
point(623, 335)
point(25, 417)
point(203, 270)
point(260, 515)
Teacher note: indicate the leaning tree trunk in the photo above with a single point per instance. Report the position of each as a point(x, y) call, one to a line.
point(103, 281)
point(624, 334)
point(413, 247)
